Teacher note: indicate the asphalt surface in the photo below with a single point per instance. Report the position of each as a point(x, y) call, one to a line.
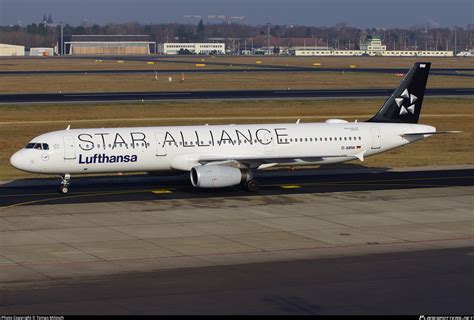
point(245, 68)
point(436, 282)
point(219, 95)
point(144, 187)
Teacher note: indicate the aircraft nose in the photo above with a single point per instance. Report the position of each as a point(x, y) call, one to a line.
point(19, 161)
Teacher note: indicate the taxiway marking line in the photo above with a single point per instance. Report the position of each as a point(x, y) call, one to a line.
point(161, 191)
point(290, 187)
point(73, 196)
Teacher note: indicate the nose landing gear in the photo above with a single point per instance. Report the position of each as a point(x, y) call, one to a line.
point(63, 188)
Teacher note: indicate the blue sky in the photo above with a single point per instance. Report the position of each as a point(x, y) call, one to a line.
point(360, 13)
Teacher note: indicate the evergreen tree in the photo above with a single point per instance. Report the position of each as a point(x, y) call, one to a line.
point(200, 32)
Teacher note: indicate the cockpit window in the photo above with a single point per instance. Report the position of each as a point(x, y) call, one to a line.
point(37, 146)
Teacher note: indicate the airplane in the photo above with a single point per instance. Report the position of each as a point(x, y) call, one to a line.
point(227, 155)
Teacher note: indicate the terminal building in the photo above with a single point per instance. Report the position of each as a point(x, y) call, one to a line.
point(109, 45)
point(371, 47)
point(191, 48)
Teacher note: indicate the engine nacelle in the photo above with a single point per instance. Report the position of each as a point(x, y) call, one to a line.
point(216, 176)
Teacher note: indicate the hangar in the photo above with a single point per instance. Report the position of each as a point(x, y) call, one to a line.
point(109, 45)
point(11, 50)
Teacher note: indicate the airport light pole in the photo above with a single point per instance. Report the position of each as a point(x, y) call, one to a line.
point(268, 38)
point(455, 41)
point(62, 37)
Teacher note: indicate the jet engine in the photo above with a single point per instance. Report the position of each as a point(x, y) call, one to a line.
point(216, 176)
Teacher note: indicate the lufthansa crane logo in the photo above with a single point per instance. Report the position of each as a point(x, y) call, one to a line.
point(409, 99)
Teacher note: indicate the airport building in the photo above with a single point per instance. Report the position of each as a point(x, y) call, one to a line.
point(41, 52)
point(109, 45)
point(11, 50)
point(387, 53)
point(373, 44)
point(371, 47)
point(194, 48)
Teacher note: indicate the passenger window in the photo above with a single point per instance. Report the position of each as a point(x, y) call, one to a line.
point(330, 139)
point(350, 138)
point(325, 139)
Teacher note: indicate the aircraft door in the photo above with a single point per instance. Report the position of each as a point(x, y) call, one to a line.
point(375, 138)
point(69, 148)
point(267, 141)
point(160, 144)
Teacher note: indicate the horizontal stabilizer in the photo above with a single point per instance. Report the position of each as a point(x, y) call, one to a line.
point(423, 133)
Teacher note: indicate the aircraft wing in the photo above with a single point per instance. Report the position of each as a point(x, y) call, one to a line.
point(261, 162)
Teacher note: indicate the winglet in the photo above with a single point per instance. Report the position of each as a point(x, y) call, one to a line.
point(298, 121)
point(360, 155)
point(68, 127)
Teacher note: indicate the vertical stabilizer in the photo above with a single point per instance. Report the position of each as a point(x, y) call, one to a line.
point(404, 105)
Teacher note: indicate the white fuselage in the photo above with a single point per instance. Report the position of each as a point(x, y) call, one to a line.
point(152, 149)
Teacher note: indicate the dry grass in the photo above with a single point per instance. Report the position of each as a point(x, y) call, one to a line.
point(19, 124)
point(57, 63)
point(212, 81)
point(338, 62)
point(166, 63)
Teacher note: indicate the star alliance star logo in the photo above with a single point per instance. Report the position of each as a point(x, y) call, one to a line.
point(408, 97)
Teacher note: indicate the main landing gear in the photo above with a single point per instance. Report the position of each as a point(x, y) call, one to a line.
point(64, 183)
point(248, 181)
point(253, 185)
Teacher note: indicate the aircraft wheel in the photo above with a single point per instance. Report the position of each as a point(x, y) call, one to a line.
point(253, 185)
point(64, 190)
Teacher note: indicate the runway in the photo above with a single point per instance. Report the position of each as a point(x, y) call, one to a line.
point(145, 187)
point(216, 95)
point(458, 72)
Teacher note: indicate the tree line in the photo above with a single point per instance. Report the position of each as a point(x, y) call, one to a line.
point(341, 36)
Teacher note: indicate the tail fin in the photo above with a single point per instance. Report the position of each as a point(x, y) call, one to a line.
point(404, 105)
